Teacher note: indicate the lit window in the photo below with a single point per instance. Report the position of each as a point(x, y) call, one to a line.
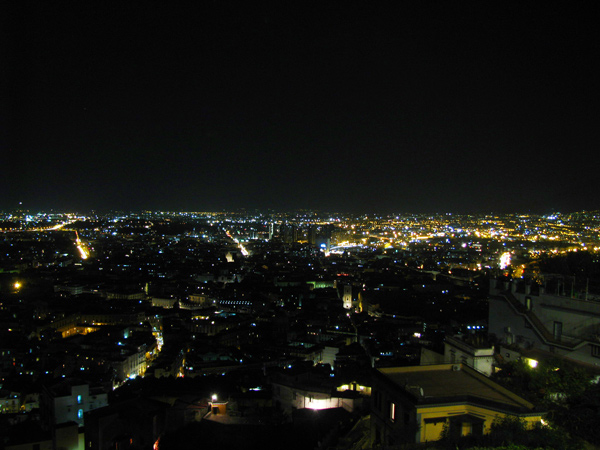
point(392, 411)
point(79, 399)
point(80, 414)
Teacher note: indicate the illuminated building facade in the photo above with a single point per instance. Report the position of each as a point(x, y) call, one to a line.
point(413, 404)
point(347, 297)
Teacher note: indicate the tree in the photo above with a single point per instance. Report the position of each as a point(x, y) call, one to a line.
point(580, 414)
point(512, 433)
point(549, 384)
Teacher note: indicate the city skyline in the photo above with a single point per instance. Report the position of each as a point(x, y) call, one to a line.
point(426, 108)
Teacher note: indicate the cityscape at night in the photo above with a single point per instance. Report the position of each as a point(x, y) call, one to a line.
point(302, 226)
point(162, 329)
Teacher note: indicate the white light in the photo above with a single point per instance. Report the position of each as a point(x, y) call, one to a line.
point(504, 260)
point(318, 404)
point(532, 363)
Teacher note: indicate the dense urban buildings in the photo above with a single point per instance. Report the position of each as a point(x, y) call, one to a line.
point(303, 330)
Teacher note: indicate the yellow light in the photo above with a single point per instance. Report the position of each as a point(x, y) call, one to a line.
point(83, 252)
point(532, 363)
point(17, 285)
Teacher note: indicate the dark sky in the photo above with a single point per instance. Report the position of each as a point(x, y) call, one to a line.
point(346, 106)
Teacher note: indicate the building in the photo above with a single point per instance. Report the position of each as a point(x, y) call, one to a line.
point(200, 300)
point(69, 288)
point(135, 423)
point(476, 354)
point(166, 303)
point(413, 404)
point(295, 390)
point(347, 296)
point(69, 400)
point(472, 351)
point(28, 436)
point(532, 319)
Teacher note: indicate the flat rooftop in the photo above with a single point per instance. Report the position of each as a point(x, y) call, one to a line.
point(442, 382)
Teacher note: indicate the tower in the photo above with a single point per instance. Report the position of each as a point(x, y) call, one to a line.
point(347, 297)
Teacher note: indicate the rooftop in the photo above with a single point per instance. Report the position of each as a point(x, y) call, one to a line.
point(449, 382)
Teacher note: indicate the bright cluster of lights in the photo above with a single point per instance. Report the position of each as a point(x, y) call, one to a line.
point(504, 260)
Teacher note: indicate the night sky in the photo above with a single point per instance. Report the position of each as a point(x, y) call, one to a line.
point(339, 106)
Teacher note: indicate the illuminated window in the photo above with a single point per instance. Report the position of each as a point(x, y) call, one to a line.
point(79, 399)
point(80, 414)
point(392, 411)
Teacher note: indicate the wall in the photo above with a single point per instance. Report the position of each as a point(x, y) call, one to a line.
point(429, 433)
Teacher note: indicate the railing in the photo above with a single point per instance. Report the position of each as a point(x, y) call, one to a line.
point(537, 324)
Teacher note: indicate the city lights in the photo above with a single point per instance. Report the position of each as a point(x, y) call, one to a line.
point(236, 285)
point(505, 260)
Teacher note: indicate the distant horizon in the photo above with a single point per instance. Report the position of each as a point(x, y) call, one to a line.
point(267, 211)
